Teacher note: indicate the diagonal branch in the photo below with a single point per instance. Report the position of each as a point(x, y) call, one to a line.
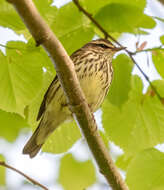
point(2, 163)
point(106, 35)
point(75, 97)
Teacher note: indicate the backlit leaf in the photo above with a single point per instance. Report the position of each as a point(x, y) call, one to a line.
point(120, 87)
point(62, 138)
point(145, 172)
point(76, 175)
point(119, 17)
point(138, 125)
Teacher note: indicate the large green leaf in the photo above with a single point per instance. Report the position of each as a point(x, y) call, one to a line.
point(32, 109)
point(76, 175)
point(72, 27)
point(145, 172)
point(11, 125)
point(120, 86)
point(158, 60)
point(20, 77)
point(120, 17)
point(9, 17)
point(141, 119)
point(40, 53)
point(94, 7)
point(63, 138)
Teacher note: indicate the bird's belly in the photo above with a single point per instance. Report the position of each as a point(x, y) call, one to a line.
point(93, 90)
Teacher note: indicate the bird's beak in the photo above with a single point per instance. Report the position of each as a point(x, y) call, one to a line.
point(118, 48)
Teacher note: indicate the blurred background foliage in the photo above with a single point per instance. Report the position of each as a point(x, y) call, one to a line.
point(132, 116)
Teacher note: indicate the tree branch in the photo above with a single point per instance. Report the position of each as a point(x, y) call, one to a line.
point(106, 35)
point(75, 97)
point(2, 163)
point(161, 1)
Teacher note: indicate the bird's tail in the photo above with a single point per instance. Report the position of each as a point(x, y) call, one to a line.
point(38, 138)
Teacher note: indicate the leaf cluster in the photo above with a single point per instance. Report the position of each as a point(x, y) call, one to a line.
point(131, 119)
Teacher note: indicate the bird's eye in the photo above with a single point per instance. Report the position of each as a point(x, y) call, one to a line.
point(103, 46)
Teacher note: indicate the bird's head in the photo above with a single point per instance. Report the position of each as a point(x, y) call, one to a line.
point(103, 46)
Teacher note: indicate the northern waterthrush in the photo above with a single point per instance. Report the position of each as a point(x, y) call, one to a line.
point(93, 65)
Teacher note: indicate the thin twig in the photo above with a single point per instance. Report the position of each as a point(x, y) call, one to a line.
point(146, 77)
point(6, 46)
point(14, 48)
point(148, 50)
point(2, 163)
point(106, 35)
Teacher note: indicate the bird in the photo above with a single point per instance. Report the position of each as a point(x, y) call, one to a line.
point(93, 66)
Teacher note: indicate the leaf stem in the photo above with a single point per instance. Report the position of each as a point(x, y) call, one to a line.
point(147, 50)
point(2, 163)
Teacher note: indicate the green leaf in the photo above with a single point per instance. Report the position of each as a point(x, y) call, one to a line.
point(32, 109)
point(63, 138)
point(47, 11)
point(158, 59)
point(93, 6)
point(9, 17)
point(72, 28)
point(76, 175)
point(2, 172)
point(162, 39)
point(11, 124)
point(141, 119)
point(145, 171)
point(42, 56)
point(120, 86)
point(20, 77)
point(123, 161)
point(119, 17)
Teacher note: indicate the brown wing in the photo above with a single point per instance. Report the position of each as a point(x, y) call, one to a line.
point(43, 104)
point(74, 58)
